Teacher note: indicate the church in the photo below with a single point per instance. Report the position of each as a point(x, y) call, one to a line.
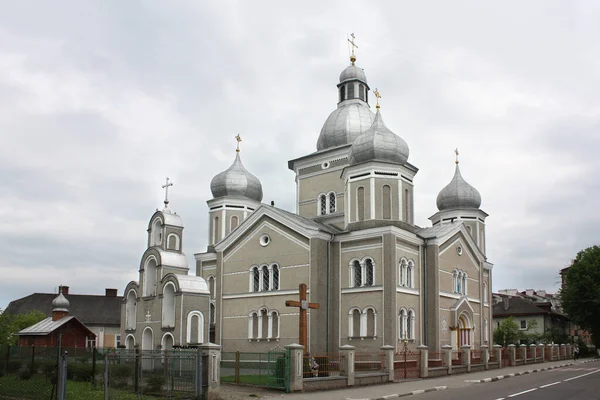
point(372, 276)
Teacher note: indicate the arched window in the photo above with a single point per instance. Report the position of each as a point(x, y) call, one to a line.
point(274, 325)
point(361, 91)
point(411, 325)
point(173, 242)
point(331, 202)
point(370, 322)
point(402, 324)
point(407, 206)
point(350, 90)
point(265, 278)
point(360, 203)
point(275, 280)
point(147, 339)
point(253, 325)
point(255, 279)
point(410, 274)
point(485, 293)
point(156, 233)
point(167, 342)
point(212, 318)
point(354, 317)
point(234, 222)
point(150, 277)
point(168, 306)
point(211, 286)
point(323, 204)
point(386, 196)
point(216, 230)
point(263, 320)
point(464, 283)
point(130, 342)
point(342, 93)
point(356, 273)
point(369, 272)
point(130, 310)
point(403, 272)
point(195, 327)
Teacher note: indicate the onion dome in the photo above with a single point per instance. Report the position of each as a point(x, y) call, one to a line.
point(378, 143)
point(458, 194)
point(60, 303)
point(236, 181)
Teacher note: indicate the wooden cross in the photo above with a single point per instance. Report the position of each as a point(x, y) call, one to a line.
point(166, 187)
point(304, 305)
point(239, 139)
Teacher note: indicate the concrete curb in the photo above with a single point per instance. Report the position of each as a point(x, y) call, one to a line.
point(497, 378)
point(397, 395)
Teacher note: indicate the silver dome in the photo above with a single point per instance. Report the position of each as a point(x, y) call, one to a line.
point(378, 143)
point(353, 72)
point(60, 303)
point(344, 124)
point(236, 181)
point(458, 194)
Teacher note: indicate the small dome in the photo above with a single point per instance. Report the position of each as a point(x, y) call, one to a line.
point(353, 72)
point(60, 303)
point(345, 124)
point(458, 194)
point(378, 143)
point(236, 181)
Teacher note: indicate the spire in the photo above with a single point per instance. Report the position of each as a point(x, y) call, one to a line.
point(352, 46)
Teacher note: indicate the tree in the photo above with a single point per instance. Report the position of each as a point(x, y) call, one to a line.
point(580, 295)
point(11, 324)
point(507, 332)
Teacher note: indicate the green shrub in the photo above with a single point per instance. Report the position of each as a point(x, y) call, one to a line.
point(156, 382)
point(25, 373)
point(120, 374)
point(80, 372)
point(14, 366)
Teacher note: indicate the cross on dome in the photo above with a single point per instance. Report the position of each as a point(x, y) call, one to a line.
point(378, 96)
point(166, 187)
point(456, 152)
point(352, 46)
point(239, 139)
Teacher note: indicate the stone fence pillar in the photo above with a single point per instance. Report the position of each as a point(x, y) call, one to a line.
point(347, 367)
point(543, 352)
point(563, 351)
point(466, 353)
point(513, 354)
point(296, 377)
point(447, 349)
point(498, 350)
point(389, 361)
point(214, 364)
point(424, 372)
point(533, 348)
point(486, 356)
point(523, 351)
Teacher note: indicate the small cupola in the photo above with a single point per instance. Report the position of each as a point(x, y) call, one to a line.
point(458, 194)
point(236, 181)
point(60, 307)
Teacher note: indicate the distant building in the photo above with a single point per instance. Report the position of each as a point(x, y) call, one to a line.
point(100, 314)
point(59, 328)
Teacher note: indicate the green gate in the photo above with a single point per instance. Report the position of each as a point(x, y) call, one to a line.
point(278, 370)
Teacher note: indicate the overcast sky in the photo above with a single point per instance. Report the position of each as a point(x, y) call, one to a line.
point(100, 101)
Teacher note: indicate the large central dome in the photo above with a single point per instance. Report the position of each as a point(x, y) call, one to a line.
point(353, 115)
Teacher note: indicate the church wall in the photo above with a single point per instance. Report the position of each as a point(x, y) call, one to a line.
point(374, 251)
point(388, 274)
point(353, 189)
point(335, 293)
point(168, 231)
point(318, 323)
point(310, 187)
point(408, 208)
point(432, 299)
point(362, 300)
point(192, 302)
point(231, 213)
point(450, 260)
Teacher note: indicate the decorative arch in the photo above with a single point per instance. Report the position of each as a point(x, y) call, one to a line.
point(130, 309)
point(130, 342)
point(403, 272)
point(147, 339)
point(386, 199)
point(411, 324)
point(195, 327)
point(156, 232)
point(173, 242)
point(402, 323)
point(254, 281)
point(234, 222)
point(150, 278)
point(411, 274)
point(368, 265)
point(168, 305)
point(167, 342)
point(354, 322)
point(274, 324)
point(368, 325)
point(465, 327)
point(212, 286)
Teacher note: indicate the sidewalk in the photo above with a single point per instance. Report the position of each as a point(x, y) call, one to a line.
point(396, 389)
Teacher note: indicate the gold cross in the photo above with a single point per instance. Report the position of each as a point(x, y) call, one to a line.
point(378, 96)
point(456, 152)
point(352, 46)
point(239, 139)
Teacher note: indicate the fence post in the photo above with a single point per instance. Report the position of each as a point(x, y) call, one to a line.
point(389, 361)
point(466, 352)
point(201, 373)
point(533, 348)
point(136, 374)
point(524, 353)
point(94, 367)
point(543, 351)
point(448, 357)
point(498, 350)
point(513, 354)
point(563, 350)
point(296, 377)
point(62, 377)
point(214, 364)
point(424, 369)
point(347, 353)
point(105, 376)
point(237, 367)
point(486, 356)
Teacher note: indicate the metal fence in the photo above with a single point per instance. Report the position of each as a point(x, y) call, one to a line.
point(28, 372)
point(268, 369)
point(365, 363)
point(322, 365)
point(407, 365)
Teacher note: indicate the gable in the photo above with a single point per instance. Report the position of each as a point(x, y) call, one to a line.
point(456, 253)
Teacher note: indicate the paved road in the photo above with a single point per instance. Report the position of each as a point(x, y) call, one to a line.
point(580, 382)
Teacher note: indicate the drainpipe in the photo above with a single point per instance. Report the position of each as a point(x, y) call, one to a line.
point(327, 346)
point(425, 313)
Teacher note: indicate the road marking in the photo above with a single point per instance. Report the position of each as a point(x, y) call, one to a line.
point(520, 393)
point(580, 376)
point(550, 384)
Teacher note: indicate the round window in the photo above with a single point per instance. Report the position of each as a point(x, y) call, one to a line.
point(459, 250)
point(265, 240)
point(325, 165)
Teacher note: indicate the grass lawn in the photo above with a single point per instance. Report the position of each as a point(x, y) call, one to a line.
point(257, 380)
point(39, 388)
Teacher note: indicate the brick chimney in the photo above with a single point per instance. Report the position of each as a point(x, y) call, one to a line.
point(64, 290)
point(110, 292)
